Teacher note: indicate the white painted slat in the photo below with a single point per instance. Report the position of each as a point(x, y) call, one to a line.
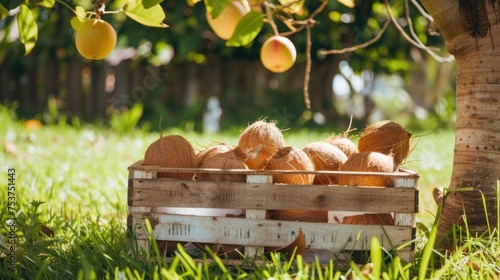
point(249, 232)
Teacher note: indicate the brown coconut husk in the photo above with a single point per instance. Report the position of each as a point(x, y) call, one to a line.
point(227, 160)
point(369, 219)
point(368, 162)
point(344, 144)
point(259, 141)
point(299, 215)
point(325, 157)
point(291, 158)
point(211, 151)
point(171, 151)
point(386, 137)
point(297, 246)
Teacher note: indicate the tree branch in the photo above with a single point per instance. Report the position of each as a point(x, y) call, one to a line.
point(360, 46)
point(270, 19)
point(417, 43)
point(422, 11)
point(307, 73)
point(304, 23)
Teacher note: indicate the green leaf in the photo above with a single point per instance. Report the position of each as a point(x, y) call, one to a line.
point(376, 257)
point(28, 30)
point(150, 3)
point(11, 4)
point(145, 13)
point(216, 7)
point(293, 6)
point(192, 2)
point(3, 12)
point(247, 29)
point(47, 3)
point(118, 4)
point(79, 18)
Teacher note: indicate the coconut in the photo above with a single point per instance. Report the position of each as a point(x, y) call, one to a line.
point(210, 151)
point(259, 141)
point(325, 157)
point(369, 219)
point(171, 151)
point(344, 144)
point(299, 215)
point(367, 162)
point(227, 160)
point(386, 137)
point(291, 158)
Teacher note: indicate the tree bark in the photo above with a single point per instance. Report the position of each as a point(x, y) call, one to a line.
point(472, 33)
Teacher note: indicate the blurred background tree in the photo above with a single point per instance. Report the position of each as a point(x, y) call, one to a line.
point(171, 73)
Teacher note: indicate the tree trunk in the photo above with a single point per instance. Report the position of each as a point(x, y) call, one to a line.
point(472, 33)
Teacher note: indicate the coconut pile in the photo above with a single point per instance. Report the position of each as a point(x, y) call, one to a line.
point(382, 147)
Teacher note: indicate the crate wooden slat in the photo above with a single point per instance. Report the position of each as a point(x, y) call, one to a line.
point(178, 193)
point(152, 198)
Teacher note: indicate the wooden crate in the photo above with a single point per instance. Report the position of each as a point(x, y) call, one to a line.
point(150, 197)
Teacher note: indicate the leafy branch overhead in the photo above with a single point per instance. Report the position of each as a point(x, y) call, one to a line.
point(237, 22)
point(145, 12)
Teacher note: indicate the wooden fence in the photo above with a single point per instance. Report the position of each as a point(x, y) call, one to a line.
point(90, 89)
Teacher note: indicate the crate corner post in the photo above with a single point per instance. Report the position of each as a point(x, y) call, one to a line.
point(253, 251)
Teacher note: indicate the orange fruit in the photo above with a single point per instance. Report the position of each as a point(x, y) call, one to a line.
point(95, 39)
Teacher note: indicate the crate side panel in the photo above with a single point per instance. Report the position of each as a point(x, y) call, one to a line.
point(260, 196)
point(249, 232)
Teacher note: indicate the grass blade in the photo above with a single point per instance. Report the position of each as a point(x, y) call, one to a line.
point(376, 257)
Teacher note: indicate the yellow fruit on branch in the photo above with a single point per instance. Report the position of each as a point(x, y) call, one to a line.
point(95, 39)
point(225, 24)
point(278, 54)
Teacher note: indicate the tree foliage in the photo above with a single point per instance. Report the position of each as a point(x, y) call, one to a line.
point(361, 33)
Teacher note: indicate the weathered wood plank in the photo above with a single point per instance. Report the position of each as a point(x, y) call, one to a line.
point(177, 193)
point(248, 232)
point(256, 214)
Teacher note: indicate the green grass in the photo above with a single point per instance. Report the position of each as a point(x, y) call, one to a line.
point(74, 181)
